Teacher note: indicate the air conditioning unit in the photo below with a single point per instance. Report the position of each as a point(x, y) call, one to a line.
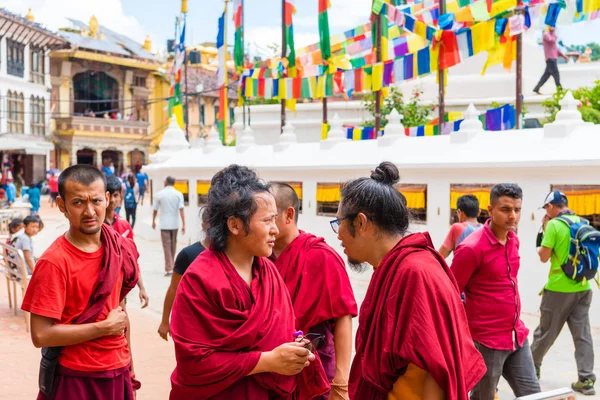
point(194, 57)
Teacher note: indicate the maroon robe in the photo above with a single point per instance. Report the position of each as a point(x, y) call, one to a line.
point(412, 314)
point(220, 326)
point(320, 288)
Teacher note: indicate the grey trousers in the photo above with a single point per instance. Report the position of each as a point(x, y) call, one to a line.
point(169, 242)
point(572, 308)
point(515, 366)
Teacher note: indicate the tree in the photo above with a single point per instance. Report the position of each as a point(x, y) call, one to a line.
point(414, 112)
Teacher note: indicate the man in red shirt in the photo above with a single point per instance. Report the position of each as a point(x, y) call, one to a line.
point(88, 268)
point(113, 187)
point(486, 265)
point(551, 52)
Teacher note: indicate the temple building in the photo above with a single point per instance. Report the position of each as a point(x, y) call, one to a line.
point(25, 146)
point(109, 98)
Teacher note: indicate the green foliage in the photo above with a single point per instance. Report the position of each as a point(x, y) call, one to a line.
point(414, 111)
point(588, 96)
point(595, 47)
point(257, 102)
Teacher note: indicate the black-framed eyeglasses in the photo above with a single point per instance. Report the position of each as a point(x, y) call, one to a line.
point(335, 224)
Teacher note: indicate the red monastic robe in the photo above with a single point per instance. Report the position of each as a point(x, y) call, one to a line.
point(220, 326)
point(412, 314)
point(320, 288)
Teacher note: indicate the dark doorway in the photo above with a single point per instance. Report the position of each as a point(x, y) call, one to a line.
point(96, 92)
point(85, 156)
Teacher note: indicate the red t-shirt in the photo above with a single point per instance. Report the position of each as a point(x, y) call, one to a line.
point(53, 184)
point(122, 227)
point(60, 288)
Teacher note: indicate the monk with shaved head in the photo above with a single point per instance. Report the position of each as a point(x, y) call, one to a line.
point(320, 289)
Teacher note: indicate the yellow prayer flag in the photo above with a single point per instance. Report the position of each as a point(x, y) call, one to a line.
point(291, 105)
point(434, 54)
point(324, 131)
point(377, 78)
point(420, 29)
point(367, 82)
point(488, 35)
point(282, 89)
point(356, 133)
point(415, 43)
point(394, 32)
point(501, 6)
point(452, 6)
point(384, 48)
point(429, 130)
point(464, 14)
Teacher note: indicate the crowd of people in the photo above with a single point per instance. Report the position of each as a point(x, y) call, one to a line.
point(261, 309)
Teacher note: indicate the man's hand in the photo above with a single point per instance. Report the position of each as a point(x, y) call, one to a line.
point(545, 220)
point(290, 358)
point(153, 224)
point(565, 57)
point(164, 331)
point(144, 299)
point(115, 322)
point(183, 229)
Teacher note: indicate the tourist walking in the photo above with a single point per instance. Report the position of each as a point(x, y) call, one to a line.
point(467, 210)
point(142, 180)
point(486, 265)
point(412, 334)
point(169, 206)
point(130, 199)
point(564, 300)
point(551, 52)
point(75, 298)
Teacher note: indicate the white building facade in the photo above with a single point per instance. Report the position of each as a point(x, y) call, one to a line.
point(25, 88)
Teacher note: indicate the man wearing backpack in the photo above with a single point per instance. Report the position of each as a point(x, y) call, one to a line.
point(564, 299)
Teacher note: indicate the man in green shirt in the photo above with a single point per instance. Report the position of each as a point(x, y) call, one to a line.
point(563, 299)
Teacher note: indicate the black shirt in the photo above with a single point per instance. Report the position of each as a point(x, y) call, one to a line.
point(186, 256)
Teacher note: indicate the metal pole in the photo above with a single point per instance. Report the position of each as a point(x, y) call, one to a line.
point(243, 52)
point(283, 53)
point(442, 81)
point(519, 99)
point(378, 93)
point(187, 116)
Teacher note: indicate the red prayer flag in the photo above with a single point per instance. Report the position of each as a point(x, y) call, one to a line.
point(297, 87)
point(450, 55)
point(358, 80)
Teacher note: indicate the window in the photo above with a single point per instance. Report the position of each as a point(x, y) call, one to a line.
point(481, 191)
point(139, 81)
point(328, 198)
point(416, 201)
point(584, 200)
point(202, 188)
point(16, 114)
point(38, 116)
point(15, 55)
point(37, 66)
point(297, 186)
point(184, 188)
point(202, 115)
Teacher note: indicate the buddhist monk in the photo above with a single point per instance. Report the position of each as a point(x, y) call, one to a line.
point(306, 263)
point(76, 294)
point(413, 340)
point(232, 322)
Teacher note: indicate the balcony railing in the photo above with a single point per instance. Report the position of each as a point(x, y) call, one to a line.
point(15, 69)
point(101, 126)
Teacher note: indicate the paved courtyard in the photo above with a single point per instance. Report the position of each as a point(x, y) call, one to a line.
point(154, 358)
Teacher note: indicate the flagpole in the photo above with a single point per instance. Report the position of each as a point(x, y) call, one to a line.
point(243, 52)
point(184, 11)
point(226, 78)
point(283, 54)
point(519, 80)
point(377, 60)
point(441, 80)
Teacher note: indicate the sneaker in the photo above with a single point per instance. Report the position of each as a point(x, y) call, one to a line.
point(538, 372)
point(537, 92)
point(585, 386)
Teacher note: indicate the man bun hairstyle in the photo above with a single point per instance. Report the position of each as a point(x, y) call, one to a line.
point(378, 199)
point(231, 194)
point(80, 173)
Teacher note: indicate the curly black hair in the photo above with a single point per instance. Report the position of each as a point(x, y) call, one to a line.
point(231, 194)
point(378, 199)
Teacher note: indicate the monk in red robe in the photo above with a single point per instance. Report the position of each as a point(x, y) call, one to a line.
point(233, 322)
point(413, 340)
point(306, 262)
point(76, 294)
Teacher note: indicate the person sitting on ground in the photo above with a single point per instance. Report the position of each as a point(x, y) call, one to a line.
point(24, 241)
point(467, 211)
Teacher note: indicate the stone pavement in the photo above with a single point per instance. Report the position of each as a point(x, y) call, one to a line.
point(154, 358)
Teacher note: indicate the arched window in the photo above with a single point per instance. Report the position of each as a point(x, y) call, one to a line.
point(38, 116)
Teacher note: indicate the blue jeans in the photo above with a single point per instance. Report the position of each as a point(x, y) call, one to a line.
point(515, 366)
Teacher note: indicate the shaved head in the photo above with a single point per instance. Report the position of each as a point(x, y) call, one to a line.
point(285, 197)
